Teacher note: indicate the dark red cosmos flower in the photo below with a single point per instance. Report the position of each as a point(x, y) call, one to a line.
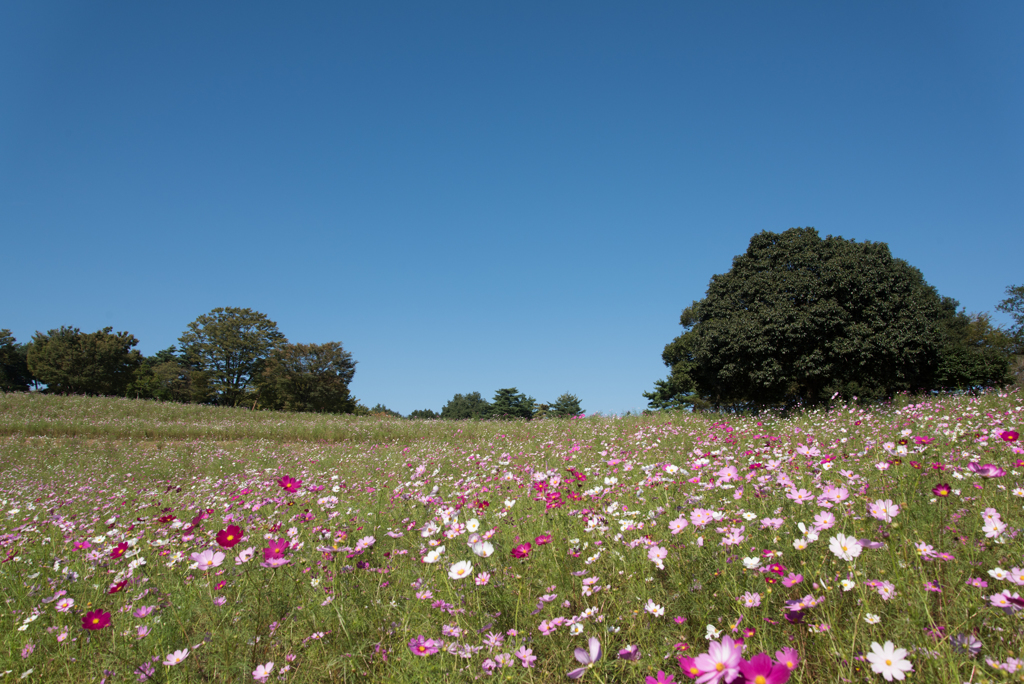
point(231, 536)
point(96, 619)
point(166, 518)
point(941, 490)
point(290, 484)
point(777, 568)
point(522, 551)
point(114, 588)
point(916, 465)
point(771, 579)
point(276, 550)
point(543, 539)
point(119, 550)
point(1009, 436)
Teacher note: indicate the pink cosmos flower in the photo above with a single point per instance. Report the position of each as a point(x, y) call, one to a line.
point(721, 662)
point(823, 521)
point(522, 551)
point(543, 539)
point(884, 510)
point(526, 656)
point(277, 549)
point(788, 657)
point(662, 678)
point(208, 559)
point(792, 580)
point(64, 605)
point(262, 672)
point(678, 525)
point(800, 496)
point(587, 658)
point(421, 646)
point(760, 669)
point(289, 484)
point(176, 657)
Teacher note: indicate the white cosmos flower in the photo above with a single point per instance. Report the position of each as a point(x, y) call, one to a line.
point(844, 547)
point(654, 609)
point(889, 661)
point(483, 548)
point(473, 525)
point(460, 570)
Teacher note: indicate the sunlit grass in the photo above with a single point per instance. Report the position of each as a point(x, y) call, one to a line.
point(101, 472)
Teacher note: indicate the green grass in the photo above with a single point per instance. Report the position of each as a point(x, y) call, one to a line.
point(75, 469)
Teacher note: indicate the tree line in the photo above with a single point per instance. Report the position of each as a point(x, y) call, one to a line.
point(227, 357)
point(799, 321)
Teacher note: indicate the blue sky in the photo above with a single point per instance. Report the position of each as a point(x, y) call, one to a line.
point(472, 195)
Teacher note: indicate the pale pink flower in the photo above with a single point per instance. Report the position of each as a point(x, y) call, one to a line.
point(262, 672)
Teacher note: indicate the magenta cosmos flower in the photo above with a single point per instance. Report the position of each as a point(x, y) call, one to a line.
point(290, 484)
point(721, 662)
point(543, 539)
point(119, 550)
point(421, 646)
point(662, 678)
point(96, 619)
point(276, 550)
point(761, 670)
point(231, 536)
point(523, 550)
point(1009, 436)
point(941, 490)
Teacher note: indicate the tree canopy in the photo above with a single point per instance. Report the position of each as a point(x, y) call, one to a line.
point(14, 372)
point(69, 361)
point(798, 319)
point(565, 406)
point(511, 403)
point(308, 377)
point(465, 406)
point(230, 345)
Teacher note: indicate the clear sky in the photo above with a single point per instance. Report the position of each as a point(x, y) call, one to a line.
point(476, 195)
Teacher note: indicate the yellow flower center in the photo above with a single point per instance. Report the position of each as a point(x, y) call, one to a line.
point(889, 663)
point(719, 666)
point(759, 679)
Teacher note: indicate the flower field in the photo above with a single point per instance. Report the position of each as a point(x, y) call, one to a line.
point(157, 542)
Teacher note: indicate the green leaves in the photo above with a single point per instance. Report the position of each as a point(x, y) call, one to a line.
point(308, 377)
point(230, 345)
point(799, 318)
point(71, 362)
point(14, 373)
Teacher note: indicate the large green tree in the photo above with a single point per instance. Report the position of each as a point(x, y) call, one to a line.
point(14, 373)
point(465, 406)
point(511, 403)
point(308, 377)
point(69, 361)
point(230, 346)
point(799, 318)
point(565, 406)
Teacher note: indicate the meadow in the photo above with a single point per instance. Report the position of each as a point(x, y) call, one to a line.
point(142, 541)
